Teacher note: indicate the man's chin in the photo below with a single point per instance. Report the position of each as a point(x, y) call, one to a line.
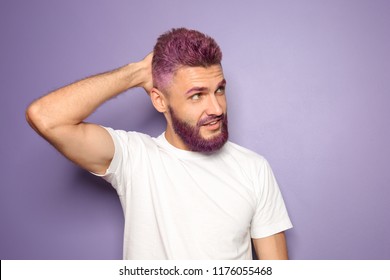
point(211, 143)
point(207, 134)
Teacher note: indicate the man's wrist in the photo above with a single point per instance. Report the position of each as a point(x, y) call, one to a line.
point(135, 74)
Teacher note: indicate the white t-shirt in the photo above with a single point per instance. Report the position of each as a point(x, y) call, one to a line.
point(187, 205)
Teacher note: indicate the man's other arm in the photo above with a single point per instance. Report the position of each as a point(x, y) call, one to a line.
point(59, 116)
point(272, 247)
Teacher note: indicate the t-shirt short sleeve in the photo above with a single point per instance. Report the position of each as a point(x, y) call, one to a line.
point(121, 163)
point(271, 214)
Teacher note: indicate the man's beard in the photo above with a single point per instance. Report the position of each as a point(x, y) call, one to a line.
point(192, 138)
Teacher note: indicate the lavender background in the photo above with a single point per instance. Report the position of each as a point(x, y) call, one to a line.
point(308, 88)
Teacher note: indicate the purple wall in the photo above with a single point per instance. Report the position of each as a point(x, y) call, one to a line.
point(308, 88)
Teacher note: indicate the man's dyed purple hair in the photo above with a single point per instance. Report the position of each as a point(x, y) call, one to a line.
point(182, 47)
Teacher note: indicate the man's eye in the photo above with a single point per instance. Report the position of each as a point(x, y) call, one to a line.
point(195, 96)
point(220, 90)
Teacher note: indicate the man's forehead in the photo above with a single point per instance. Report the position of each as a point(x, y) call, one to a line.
point(190, 76)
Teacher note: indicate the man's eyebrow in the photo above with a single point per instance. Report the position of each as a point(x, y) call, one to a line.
point(200, 89)
point(222, 83)
point(197, 89)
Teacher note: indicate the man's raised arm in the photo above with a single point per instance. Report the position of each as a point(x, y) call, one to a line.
point(59, 116)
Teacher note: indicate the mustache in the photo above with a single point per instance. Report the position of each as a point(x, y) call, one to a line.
point(210, 119)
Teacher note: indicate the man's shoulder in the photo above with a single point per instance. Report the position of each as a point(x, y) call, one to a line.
point(131, 138)
point(124, 134)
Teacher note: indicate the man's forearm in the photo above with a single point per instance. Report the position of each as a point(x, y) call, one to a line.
point(71, 104)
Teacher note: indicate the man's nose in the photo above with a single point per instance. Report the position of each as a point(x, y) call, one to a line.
point(214, 106)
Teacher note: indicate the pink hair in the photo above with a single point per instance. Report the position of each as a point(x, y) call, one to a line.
point(182, 47)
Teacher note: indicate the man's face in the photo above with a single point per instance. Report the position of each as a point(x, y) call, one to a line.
point(197, 118)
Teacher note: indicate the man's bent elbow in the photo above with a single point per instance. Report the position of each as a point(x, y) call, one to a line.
point(36, 119)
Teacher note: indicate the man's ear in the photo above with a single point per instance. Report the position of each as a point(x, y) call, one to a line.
point(159, 100)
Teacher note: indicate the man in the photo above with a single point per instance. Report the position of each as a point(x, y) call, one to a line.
point(190, 193)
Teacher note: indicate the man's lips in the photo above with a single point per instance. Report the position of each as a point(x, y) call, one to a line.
point(212, 122)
